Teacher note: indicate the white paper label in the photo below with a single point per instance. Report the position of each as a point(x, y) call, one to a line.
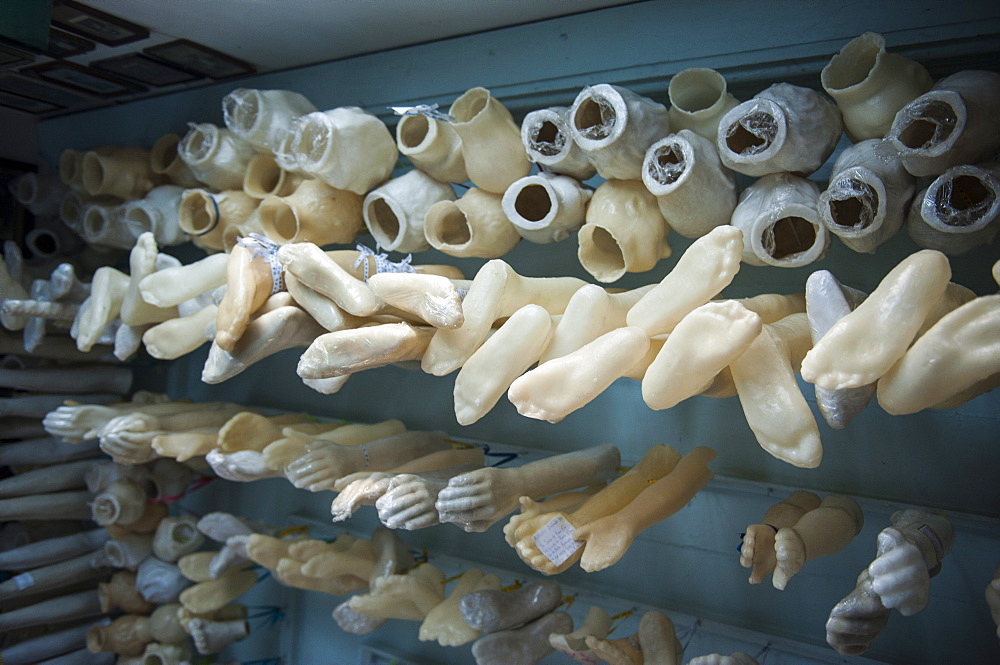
point(23, 581)
point(555, 540)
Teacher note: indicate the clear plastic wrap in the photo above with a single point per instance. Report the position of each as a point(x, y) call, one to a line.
point(959, 211)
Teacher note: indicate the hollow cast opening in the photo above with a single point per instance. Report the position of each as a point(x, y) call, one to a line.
point(69, 166)
point(196, 213)
point(851, 68)
point(453, 228)
point(752, 134)
point(533, 203)
point(312, 138)
point(548, 140)
point(164, 153)
point(789, 236)
point(594, 119)
point(696, 91)
point(469, 105)
point(963, 201)
point(604, 251)
point(263, 177)
point(198, 145)
point(858, 211)
point(94, 222)
point(384, 219)
point(933, 123)
point(413, 130)
point(93, 173)
point(668, 164)
point(280, 219)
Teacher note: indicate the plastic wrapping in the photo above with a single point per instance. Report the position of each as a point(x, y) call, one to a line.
point(347, 148)
point(216, 157)
point(780, 222)
point(547, 138)
point(546, 208)
point(394, 213)
point(698, 100)
point(785, 128)
point(263, 117)
point(959, 211)
point(694, 191)
point(614, 127)
point(953, 124)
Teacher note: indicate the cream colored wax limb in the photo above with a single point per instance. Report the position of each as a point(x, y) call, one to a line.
point(773, 405)
point(437, 461)
point(548, 140)
point(279, 329)
point(757, 548)
point(212, 595)
point(554, 390)
point(525, 522)
point(705, 342)
point(698, 100)
point(863, 345)
point(703, 271)
point(177, 337)
point(107, 292)
point(172, 286)
point(213, 636)
point(355, 434)
point(993, 598)
point(326, 312)
point(597, 623)
point(216, 156)
point(347, 148)
point(496, 292)
point(411, 596)
point(614, 127)
point(265, 177)
point(249, 283)
point(507, 354)
point(312, 267)
point(866, 201)
point(252, 431)
point(143, 261)
point(822, 531)
point(590, 313)
point(694, 191)
point(433, 298)
point(621, 651)
point(735, 658)
point(394, 213)
point(315, 212)
point(242, 466)
point(433, 146)
point(949, 125)
point(349, 351)
point(784, 129)
point(490, 140)
point(322, 462)
point(658, 640)
point(77, 423)
point(546, 208)
point(656, 463)
point(474, 225)
point(624, 231)
point(959, 211)
point(196, 566)
point(828, 301)
point(780, 220)
point(960, 350)
point(608, 538)
point(477, 499)
point(164, 160)
point(182, 446)
point(363, 490)
point(445, 623)
point(870, 85)
point(208, 217)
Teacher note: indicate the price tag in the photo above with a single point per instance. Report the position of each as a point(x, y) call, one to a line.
point(23, 581)
point(555, 540)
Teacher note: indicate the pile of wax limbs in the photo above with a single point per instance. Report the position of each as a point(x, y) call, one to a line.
point(120, 592)
point(415, 479)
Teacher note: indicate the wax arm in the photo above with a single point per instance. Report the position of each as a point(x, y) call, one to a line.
point(656, 463)
point(562, 473)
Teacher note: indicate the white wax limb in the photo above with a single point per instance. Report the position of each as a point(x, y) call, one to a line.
point(863, 345)
point(701, 345)
point(772, 402)
point(703, 271)
point(554, 390)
